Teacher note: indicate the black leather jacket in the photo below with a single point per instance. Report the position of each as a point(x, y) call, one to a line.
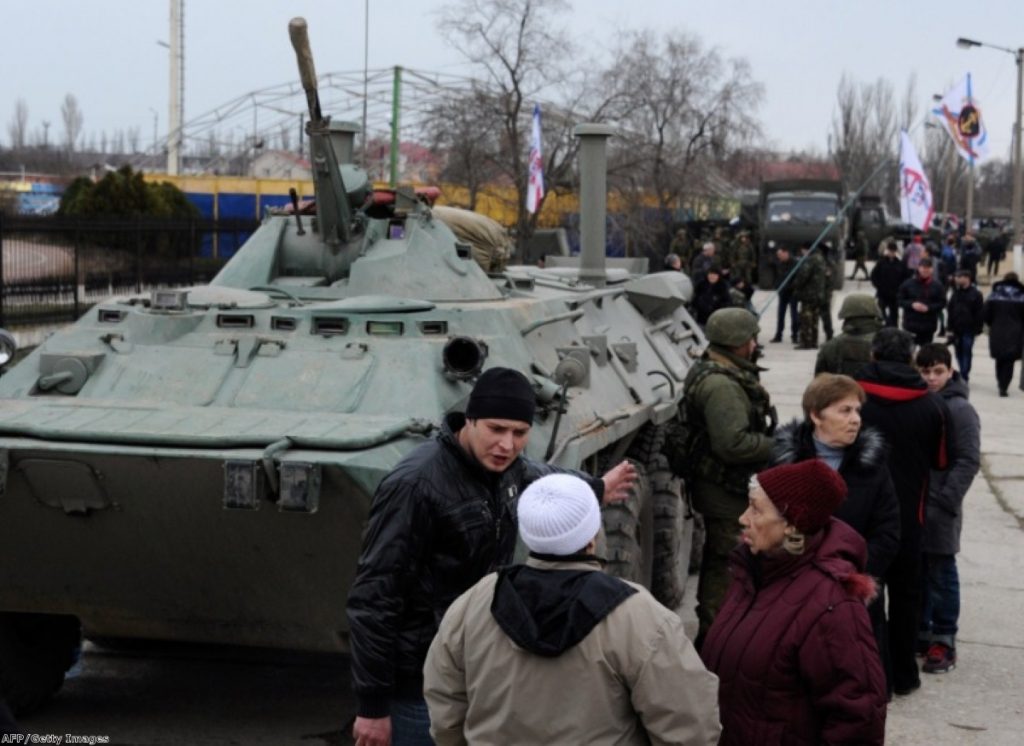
point(439, 522)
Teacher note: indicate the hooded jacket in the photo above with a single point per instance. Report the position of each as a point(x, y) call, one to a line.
point(870, 507)
point(557, 652)
point(438, 523)
point(793, 648)
point(1004, 314)
point(915, 424)
point(947, 489)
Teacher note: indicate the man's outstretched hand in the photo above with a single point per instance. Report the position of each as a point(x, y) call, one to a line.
point(618, 482)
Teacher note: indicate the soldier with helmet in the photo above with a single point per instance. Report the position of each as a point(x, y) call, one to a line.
point(809, 288)
point(846, 353)
point(722, 437)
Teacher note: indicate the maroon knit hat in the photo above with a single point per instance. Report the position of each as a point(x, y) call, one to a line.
point(805, 493)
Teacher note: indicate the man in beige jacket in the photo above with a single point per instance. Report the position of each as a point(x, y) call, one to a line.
point(555, 651)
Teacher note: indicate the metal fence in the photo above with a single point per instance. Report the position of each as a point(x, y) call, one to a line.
point(52, 269)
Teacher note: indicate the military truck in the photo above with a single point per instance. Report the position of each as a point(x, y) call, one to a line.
point(796, 211)
point(197, 464)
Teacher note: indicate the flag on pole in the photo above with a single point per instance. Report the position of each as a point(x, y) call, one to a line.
point(535, 185)
point(916, 205)
point(960, 116)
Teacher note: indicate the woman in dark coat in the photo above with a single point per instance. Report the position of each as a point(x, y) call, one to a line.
point(792, 645)
point(832, 431)
point(1004, 314)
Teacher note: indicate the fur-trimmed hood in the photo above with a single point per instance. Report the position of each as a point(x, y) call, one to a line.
point(794, 441)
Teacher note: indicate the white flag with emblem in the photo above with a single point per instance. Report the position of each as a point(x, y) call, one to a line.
point(535, 185)
point(916, 205)
point(961, 116)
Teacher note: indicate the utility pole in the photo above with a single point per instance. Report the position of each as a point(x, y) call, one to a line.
point(396, 110)
point(175, 116)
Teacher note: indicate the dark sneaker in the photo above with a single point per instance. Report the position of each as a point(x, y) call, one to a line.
point(941, 659)
point(776, 339)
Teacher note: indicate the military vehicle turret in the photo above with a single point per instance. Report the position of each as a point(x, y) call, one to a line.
point(197, 464)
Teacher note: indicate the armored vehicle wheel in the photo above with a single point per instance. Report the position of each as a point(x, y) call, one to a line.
point(629, 533)
point(35, 652)
point(672, 525)
point(673, 535)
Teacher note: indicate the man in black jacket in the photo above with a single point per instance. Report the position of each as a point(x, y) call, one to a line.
point(886, 277)
point(966, 312)
point(915, 424)
point(922, 299)
point(441, 520)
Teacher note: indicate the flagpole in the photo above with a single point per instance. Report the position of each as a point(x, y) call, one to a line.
point(970, 198)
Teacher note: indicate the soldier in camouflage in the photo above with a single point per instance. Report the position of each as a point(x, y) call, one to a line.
point(743, 259)
point(849, 351)
point(809, 286)
point(726, 438)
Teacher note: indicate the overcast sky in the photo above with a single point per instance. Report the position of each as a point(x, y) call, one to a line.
point(105, 52)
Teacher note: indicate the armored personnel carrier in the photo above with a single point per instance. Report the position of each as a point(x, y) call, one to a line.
point(198, 464)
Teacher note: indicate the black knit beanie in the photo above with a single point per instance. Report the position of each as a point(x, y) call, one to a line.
point(502, 394)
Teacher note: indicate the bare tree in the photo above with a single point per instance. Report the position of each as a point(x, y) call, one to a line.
point(460, 125)
point(517, 45)
point(71, 116)
point(864, 136)
point(17, 129)
point(683, 110)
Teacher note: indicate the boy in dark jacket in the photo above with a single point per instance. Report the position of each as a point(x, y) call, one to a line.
point(946, 491)
point(966, 320)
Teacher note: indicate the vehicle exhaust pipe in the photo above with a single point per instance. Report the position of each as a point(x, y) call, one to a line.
point(593, 200)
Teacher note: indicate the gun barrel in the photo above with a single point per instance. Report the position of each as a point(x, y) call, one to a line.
point(298, 32)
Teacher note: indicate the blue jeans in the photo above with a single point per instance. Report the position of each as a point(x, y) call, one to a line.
point(940, 610)
point(963, 347)
point(410, 723)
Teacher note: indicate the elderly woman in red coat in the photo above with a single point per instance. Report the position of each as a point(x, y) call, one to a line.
point(792, 644)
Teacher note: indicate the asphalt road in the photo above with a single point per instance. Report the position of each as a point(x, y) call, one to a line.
point(189, 694)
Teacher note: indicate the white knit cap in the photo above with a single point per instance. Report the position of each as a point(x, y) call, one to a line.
point(558, 514)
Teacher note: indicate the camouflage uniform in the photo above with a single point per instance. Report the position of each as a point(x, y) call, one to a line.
point(860, 254)
point(809, 291)
point(731, 421)
point(831, 271)
point(743, 259)
point(848, 352)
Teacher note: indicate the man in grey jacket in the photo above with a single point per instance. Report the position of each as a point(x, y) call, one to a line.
point(555, 651)
point(946, 490)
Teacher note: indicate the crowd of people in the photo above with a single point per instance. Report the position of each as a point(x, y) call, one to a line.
point(828, 578)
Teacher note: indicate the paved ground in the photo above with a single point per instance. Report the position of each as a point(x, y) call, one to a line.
point(982, 701)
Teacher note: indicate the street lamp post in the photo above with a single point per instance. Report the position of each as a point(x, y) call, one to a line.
point(1018, 179)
